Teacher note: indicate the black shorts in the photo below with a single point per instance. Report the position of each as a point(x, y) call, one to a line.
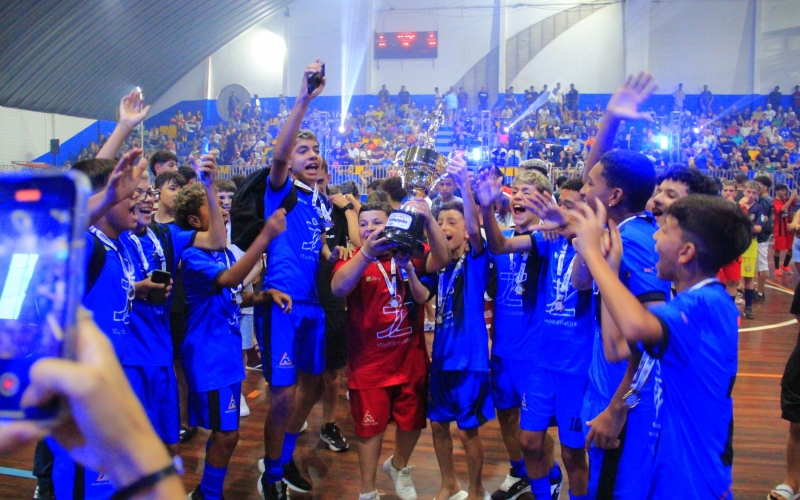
point(795, 309)
point(335, 340)
point(177, 327)
point(790, 387)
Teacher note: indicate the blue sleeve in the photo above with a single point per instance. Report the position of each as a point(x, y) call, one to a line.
point(673, 322)
point(638, 271)
point(87, 254)
point(273, 197)
point(540, 246)
point(431, 282)
point(200, 271)
point(181, 240)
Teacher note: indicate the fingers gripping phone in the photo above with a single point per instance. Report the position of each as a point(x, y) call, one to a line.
point(43, 217)
point(315, 80)
point(159, 296)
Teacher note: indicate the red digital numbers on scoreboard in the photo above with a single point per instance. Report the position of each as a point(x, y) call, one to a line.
point(406, 45)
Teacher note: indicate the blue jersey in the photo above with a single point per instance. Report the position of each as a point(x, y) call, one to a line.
point(180, 239)
point(694, 425)
point(461, 342)
point(293, 256)
point(108, 298)
point(211, 353)
point(150, 341)
point(565, 327)
point(514, 326)
point(638, 273)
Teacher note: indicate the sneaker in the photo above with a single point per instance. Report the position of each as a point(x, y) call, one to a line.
point(274, 491)
point(760, 296)
point(332, 436)
point(401, 478)
point(739, 301)
point(43, 492)
point(786, 270)
point(430, 326)
point(195, 494)
point(244, 410)
point(511, 481)
point(369, 496)
point(253, 360)
point(305, 426)
point(748, 313)
point(555, 485)
point(293, 479)
point(778, 272)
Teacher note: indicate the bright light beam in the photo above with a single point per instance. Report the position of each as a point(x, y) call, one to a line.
point(355, 41)
point(538, 103)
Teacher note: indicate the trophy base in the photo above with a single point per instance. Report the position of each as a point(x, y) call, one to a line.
point(406, 228)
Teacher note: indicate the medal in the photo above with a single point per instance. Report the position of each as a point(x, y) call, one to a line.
point(443, 293)
point(394, 302)
point(439, 320)
point(520, 275)
point(391, 284)
point(519, 289)
point(631, 399)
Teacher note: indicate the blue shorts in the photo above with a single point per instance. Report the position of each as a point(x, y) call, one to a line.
point(216, 410)
point(291, 342)
point(71, 480)
point(509, 378)
point(553, 394)
point(246, 326)
point(157, 389)
point(463, 397)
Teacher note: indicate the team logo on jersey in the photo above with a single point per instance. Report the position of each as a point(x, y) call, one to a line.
point(285, 360)
point(313, 227)
point(368, 419)
point(396, 329)
point(524, 404)
point(232, 404)
point(102, 478)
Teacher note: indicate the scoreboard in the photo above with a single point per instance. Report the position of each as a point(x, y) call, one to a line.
point(406, 45)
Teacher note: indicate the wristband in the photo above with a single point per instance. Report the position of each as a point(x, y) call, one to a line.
point(145, 483)
point(367, 258)
point(349, 206)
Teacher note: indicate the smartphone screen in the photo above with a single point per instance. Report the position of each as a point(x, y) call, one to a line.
point(40, 272)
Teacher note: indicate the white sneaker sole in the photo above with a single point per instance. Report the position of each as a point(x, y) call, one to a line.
point(332, 446)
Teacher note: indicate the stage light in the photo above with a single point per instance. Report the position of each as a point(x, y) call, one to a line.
point(663, 141)
point(696, 130)
point(476, 154)
point(341, 129)
point(355, 41)
point(506, 129)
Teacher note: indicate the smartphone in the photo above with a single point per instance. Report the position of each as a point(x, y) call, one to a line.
point(315, 79)
point(42, 272)
point(159, 296)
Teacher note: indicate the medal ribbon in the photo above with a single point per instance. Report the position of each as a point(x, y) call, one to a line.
point(391, 285)
point(318, 203)
point(518, 279)
point(442, 294)
point(159, 251)
point(237, 292)
point(127, 265)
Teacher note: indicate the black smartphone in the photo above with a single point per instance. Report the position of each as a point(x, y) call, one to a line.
point(159, 296)
point(315, 79)
point(42, 272)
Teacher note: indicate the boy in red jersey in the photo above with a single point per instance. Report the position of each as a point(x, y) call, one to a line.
point(783, 204)
point(387, 360)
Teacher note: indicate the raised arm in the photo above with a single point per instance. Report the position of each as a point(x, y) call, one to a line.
point(488, 191)
point(276, 224)
point(132, 112)
point(286, 139)
point(216, 238)
point(350, 215)
point(122, 182)
point(419, 291)
point(457, 168)
point(439, 256)
point(624, 105)
point(346, 278)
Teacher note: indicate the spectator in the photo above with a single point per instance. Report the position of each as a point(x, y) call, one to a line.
point(774, 98)
point(483, 98)
point(678, 98)
point(706, 98)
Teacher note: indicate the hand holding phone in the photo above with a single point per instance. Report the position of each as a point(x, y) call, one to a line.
point(159, 295)
point(315, 79)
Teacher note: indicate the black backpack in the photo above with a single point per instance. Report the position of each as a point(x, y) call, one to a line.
point(769, 208)
point(97, 260)
point(247, 208)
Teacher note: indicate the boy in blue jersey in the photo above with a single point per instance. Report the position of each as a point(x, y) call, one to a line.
point(211, 351)
point(694, 337)
point(293, 344)
point(459, 381)
point(557, 374)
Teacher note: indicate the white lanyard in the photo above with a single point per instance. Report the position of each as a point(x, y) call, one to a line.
point(442, 293)
point(127, 265)
point(159, 251)
point(391, 285)
point(562, 283)
point(318, 204)
point(235, 292)
point(632, 217)
point(519, 278)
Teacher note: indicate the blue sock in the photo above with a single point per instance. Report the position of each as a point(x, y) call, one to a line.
point(540, 488)
point(582, 497)
point(555, 473)
point(273, 470)
point(518, 468)
point(211, 484)
point(289, 442)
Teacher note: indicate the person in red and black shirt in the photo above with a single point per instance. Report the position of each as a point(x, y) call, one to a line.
point(783, 204)
point(387, 358)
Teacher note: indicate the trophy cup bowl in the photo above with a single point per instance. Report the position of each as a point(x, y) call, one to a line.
point(419, 168)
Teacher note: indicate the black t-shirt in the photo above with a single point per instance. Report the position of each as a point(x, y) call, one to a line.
point(335, 236)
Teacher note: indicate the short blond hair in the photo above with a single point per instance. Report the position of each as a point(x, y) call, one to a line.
point(533, 178)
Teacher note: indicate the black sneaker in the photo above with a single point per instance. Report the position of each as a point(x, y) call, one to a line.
point(555, 485)
point(760, 297)
point(44, 491)
point(520, 487)
point(293, 479)
point(195, 494)
point(332, 436)
point(748, 313)
point(253, 360)
point(274, 491)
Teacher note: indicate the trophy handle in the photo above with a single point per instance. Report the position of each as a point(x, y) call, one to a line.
point(398, 158)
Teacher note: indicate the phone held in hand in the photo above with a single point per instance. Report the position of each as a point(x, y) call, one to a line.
point(159, 297)
point(315, 79)
point(42, 272)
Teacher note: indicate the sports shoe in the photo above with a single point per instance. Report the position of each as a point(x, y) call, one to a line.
point(253, 360)
point(786, 270)
point(369, 496)
point(43, 492)
point(518, 485)
point(332, 436)
point(739, 301)
point(305, 426)
point(555, 485)
point(293, 479)
point(401, 478)
point(748, 313)
point(430, 326)
point(274, 491)
point(778, 272)
point(244, 410)
point(196, 494)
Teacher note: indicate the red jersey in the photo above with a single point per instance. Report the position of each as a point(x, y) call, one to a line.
point(782, 220)
point(385, 344)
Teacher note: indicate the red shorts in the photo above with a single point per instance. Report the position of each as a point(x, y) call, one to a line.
point(783, 242)
point(731, 272)
point(406, 404)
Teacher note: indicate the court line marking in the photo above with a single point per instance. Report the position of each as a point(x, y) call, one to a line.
point(768, 327)
point(8, 471)
point(253, 394)
point(778, 286)
point(759, 375)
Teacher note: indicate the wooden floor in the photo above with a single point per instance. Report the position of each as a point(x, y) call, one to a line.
point(758, 441)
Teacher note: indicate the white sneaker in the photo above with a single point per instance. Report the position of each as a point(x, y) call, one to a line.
point(261, 468)
point(369, 496)
point(401, 478)
point(305, 426)
point(244, 410)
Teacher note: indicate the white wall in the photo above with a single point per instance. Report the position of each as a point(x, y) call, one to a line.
point(589, 55)
point(25, 135)
point(778, 46)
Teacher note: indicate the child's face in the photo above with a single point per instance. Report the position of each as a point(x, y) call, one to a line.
point(454, 228)
point(781, 194)
point(446, 188)
point(144, 207)
point(306, 164)
point(729, 192)
point(202, 220)
point(225, 200)
point(751, 195)
point(522, 216)
point(371, 221)
point(669, 240)
point(669, 192)
point(124, 215)
point(169, 190)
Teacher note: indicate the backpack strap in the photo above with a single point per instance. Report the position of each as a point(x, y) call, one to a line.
point(97, 261)
point(165, 237)
point(290, 200)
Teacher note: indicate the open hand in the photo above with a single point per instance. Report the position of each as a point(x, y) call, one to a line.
point(489, 187)
point(625, 102)
point(132, 111)
point(340, 253)
point(276, 224)
point(125, 177)
point(281, 299)
point(457, 168)
point(605, 429)
point(588, 229)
